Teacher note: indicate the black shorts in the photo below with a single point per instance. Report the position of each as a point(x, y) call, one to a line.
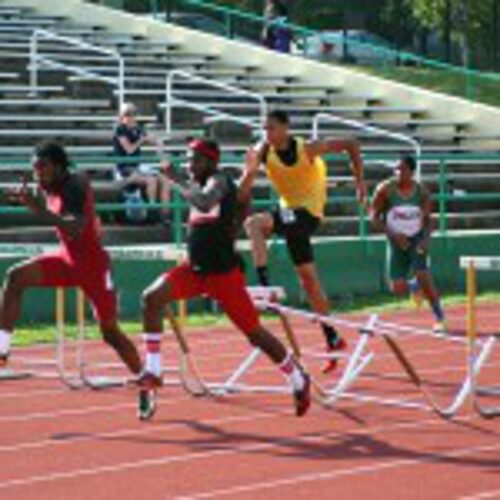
point(297, 227)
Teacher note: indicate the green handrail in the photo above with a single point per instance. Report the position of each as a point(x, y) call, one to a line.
point(442, 201)
point(178, 206)
point(397, 55)
point(7, 162)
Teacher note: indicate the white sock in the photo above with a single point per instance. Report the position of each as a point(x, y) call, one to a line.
point(153, 353)
point(293, 373)
point(5, 338)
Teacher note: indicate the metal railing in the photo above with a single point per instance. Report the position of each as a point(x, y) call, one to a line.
point(172, 102)
point(376, 131)
point(442, 197)
point(37, 61)
point(385, 56)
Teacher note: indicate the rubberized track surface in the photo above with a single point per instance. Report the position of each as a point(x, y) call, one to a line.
point(62, 444)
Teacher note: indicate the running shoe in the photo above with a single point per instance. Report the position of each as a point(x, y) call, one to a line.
point(4, 359)
point(331, 364)
point(302, 398)
point(148, 385)
point(440, 327)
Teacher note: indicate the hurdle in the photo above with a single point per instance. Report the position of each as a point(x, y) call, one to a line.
point(48, 367)
point(473, 265)
point(82, 374)
point(42, 367)
point(389, 332)
point(267, 299)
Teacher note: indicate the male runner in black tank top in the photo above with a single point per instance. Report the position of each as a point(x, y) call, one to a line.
point(213, 269)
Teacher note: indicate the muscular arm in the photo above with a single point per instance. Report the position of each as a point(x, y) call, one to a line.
point(349, 146)
point(254, 159)
point(202, 198)
point(379, 208)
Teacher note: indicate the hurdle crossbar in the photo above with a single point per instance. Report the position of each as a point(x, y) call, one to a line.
point(80, 376)
point(389, 332)
point(472, 265)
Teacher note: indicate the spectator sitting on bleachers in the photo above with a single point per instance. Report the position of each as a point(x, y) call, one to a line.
point(128, 138)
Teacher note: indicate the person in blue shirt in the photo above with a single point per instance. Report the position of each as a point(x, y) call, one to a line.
point(128, 139)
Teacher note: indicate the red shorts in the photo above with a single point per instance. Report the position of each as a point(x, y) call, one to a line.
point(95, 282)
point(228, 289)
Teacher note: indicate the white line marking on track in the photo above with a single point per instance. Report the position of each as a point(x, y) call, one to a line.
point(328, 476)
point(485, 495)
point(187, 457)
point(65, 413)
point(121, 406)
point(110, 408)
point(27, 394)
point(135, 431)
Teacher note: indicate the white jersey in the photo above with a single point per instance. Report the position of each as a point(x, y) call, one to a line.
point(404, 214)
point(405, 219)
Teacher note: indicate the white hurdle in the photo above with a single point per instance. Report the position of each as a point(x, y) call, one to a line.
point(267, 299)
point(472, 265)
point(361, 356)
point(84, 372)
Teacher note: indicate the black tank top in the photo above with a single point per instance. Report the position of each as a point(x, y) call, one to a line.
point(211, 240)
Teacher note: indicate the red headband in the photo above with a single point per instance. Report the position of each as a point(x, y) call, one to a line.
point(205, 149)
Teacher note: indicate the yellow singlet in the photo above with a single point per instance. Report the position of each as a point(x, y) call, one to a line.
point(302, 185)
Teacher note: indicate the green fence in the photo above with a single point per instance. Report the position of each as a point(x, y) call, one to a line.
point(334, 255)
point(342, 280)
point(441, 178)
point(384, 61)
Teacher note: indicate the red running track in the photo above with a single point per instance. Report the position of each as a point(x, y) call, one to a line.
point(61, 444)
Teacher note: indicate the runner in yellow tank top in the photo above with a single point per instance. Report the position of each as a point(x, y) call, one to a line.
point(299, 175)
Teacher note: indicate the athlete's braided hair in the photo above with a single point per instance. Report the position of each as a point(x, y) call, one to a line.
point(52, 151)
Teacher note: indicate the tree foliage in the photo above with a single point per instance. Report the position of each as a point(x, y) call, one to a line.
point(473, 26)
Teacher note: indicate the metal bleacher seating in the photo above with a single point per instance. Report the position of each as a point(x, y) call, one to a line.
point(81, 110)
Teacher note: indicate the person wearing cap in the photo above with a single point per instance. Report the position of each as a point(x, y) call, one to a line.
point(213, 268)
point(129, 137)
point(65, 202)
point(402, 210)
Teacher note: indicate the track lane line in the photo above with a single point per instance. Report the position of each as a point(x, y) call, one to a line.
point(228, 452)
point(328, 476)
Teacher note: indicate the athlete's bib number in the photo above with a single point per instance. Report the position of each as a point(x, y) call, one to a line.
point(288, 216)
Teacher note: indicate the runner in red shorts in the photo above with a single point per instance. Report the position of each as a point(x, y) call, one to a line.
point(66, 203)
point(213, 269)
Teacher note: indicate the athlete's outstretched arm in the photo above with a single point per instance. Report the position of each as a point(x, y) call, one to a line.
point(250, 172)
point(203, 198)
point(378, 208)
point(71, 221)
point(349, 146)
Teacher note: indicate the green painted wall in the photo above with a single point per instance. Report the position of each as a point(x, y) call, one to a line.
point(347, 267)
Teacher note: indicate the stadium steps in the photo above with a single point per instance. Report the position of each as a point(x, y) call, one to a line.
point(85, 108)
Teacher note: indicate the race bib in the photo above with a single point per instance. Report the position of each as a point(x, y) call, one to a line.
point(287, 215)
